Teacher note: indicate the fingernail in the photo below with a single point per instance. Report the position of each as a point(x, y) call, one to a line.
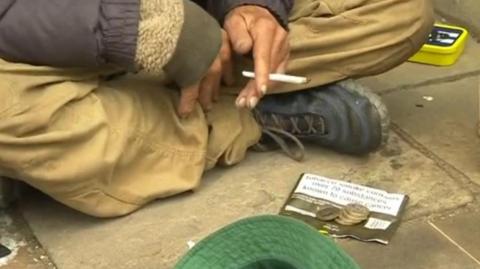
point(184, 114)
point(253, 102)
point(263, 89)
point(241, 102)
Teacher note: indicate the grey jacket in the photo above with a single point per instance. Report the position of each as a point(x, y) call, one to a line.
point(90, 33)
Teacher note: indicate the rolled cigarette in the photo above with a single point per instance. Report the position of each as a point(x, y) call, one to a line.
point(279, 78)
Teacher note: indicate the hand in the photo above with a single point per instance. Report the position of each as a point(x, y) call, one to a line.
point(254, 29)
point(207, 90)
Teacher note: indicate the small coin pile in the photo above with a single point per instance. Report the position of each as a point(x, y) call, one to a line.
point(352, 214)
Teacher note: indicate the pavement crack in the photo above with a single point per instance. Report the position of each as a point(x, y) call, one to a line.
point(431, 82)
point(456, 244)
point(448, 168)
point(33, 247)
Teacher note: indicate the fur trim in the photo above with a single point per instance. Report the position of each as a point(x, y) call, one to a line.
point(160, 26)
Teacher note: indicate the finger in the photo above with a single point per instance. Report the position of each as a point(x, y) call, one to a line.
point(247, 98)
point(226, 58)
point(279, 65)
point(263, 36)
point(240, 38)
point(280, 69)
point(251, 93)
point(282, 66)
point(280, 48)
point(227, 72)
point(210, 84)
point(217, 87)
point(188, 98)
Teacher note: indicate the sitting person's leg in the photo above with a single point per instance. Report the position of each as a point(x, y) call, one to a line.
point(336, 39)
point(333, 40)
point(107, 148)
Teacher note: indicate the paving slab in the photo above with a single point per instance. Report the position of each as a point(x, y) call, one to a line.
point(26, 253)
point(463, 229)
point(415, 245)
point(447, 125)
point(156, 236)
point(410, 75)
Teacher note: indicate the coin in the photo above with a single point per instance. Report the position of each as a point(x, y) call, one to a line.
point(346, 222)
point(352, 214)
point(357, 210)
point(327, 213)
point(346, 215)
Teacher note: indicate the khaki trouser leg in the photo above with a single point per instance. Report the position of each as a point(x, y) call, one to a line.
point(336, 39)
point(108, 148)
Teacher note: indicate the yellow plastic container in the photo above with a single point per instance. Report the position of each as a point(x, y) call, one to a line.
point(444, 46)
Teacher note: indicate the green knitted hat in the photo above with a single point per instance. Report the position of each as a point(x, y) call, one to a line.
point(267, 242)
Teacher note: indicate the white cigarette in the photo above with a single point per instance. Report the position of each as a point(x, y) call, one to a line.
point(279, 78)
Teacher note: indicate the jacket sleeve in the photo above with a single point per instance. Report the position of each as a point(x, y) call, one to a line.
point(69, 33)
point(154, 35)
point(183, 46)
point(279, 8)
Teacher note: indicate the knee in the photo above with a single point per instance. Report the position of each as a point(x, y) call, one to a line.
point(96, 203)
point(422, 20)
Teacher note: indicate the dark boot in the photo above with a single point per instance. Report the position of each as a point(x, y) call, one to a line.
point(343, 116)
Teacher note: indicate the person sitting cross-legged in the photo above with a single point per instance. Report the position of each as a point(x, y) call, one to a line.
point(106, 105)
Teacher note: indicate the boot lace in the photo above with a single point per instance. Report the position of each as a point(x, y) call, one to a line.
point(281, 128)
point(296, 152)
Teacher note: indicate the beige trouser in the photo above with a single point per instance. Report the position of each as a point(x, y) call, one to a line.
point(108, 147)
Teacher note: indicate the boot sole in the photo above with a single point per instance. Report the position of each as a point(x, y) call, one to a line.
point(354, 87)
